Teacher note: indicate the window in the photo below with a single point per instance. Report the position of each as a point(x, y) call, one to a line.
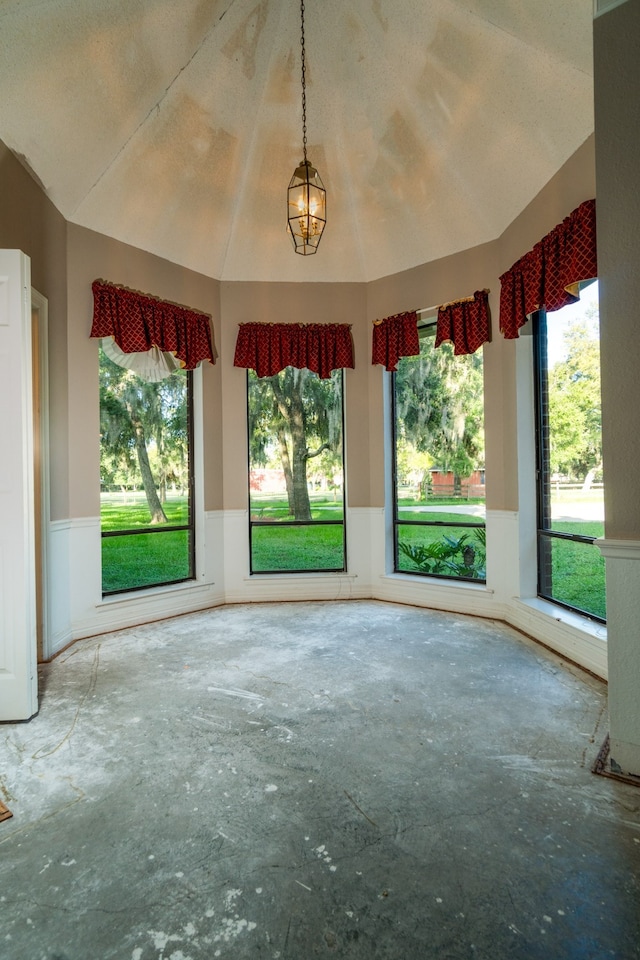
point(439, 498)
point(569, 456)
point(146, 479)
point(296, 472)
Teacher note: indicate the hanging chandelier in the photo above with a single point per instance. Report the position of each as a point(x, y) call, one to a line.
point(306, 196)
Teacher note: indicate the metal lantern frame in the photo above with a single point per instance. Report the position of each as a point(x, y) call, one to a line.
point(306, 208)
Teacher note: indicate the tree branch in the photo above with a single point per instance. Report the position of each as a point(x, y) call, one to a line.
point(316, 453)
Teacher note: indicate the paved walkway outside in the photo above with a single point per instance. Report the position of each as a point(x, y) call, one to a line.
point(559, 511)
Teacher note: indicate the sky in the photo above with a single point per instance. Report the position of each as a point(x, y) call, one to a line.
point(557, 322)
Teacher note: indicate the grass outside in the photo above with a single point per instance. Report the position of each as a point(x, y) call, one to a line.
point(577, 570)
point(278, 548)
point(144, 560)
point(130, 512)
point(438, 501)
point(277, 508)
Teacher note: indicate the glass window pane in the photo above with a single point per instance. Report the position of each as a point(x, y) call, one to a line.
point(288, 548)
point(296, 470)
point(143, 560)
point(571, 482)
point(130, 510)
point(573, 574)
point(430, 512)
point(442, 551)
point(145, 471)
point(439, 461)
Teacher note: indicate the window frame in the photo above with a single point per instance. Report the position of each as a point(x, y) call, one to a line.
point(423, 324)
point(190, 526)
point(299, 523)
point(545, 534)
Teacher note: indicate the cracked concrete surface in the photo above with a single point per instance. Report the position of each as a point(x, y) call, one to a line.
point(344, 779)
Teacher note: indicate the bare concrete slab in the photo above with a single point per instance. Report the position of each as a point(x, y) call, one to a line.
point(287, 781)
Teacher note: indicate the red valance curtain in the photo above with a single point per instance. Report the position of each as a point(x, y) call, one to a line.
point(395, 337)
point(137, 322)
point(549, 276)
point(268, 348)
point(464, 322)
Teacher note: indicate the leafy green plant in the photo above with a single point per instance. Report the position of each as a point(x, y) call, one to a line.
point(450, 556)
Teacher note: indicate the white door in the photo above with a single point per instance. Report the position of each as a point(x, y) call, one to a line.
point(18, 666)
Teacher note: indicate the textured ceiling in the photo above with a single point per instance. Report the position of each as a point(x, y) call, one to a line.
point(176, 126)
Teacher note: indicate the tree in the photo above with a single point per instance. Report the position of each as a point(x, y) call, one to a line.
point(134, 416)
point(439, 409)
point(297, 416)
point(575, 404)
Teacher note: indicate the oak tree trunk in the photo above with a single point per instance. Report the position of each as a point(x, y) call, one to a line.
point(153, 501)
point(286, 466)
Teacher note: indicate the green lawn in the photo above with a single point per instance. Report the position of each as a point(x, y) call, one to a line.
point(134, 513)
point(274, 508)
point(438, 501)
point(282, 548)
point(578, 569)
point(144, 560)
point(578, 576)
point(426, 516)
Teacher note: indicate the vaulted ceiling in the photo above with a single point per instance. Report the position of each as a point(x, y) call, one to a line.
point(176, 126)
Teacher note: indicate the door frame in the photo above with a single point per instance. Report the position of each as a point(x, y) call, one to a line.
point(42, 505)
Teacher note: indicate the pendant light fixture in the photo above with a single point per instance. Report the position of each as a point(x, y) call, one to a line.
point(306, 196)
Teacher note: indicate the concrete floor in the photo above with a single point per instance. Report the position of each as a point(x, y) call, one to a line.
point(289, 781)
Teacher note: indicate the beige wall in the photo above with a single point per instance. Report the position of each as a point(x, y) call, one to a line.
point(422, 287)
point(572, 184)
point(67, 258)
point(617, 74)
point(29, 222)
point(617, 81)
point(288, 303)
point(92, 256)
point(461, 275)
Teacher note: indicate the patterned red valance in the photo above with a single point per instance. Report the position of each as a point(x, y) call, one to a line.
point(137, 322)
point(395, 337)
point(268, 348)
point(465, 323)
point(549, 275)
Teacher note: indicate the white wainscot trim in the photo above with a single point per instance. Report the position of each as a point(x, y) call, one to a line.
point(210, 558)
point(241, 587)
point(619, 549)
point(573, 636)
point(365, 545)
point(147, 606)
point(476, 599)
point(505, 554)
point(77, 608)
point(449, 595)
point(74, 551)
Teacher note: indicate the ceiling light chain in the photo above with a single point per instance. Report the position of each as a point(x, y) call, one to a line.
point(306, 196)
point(303, 77)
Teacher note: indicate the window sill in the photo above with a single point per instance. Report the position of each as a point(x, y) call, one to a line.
point(290, 575)
point(575, 621)
point(443, 582)
point(146, 593)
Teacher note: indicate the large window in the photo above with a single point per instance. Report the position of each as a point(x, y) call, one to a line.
point(439, 502)
point(146, 479)
point(296, 472)
point(569, 445)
